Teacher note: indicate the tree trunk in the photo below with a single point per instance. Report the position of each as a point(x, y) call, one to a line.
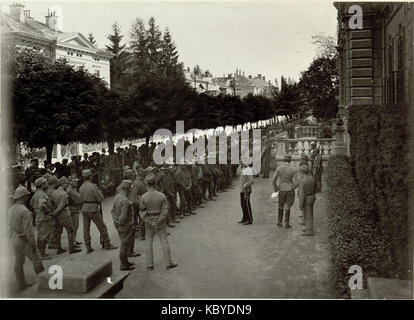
point(111, 146)
point(147, 138)
point(49, 150)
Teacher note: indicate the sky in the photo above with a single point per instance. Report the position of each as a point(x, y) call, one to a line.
point(268, 38)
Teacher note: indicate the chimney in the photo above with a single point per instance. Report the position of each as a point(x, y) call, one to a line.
point(52, 20)
point(250, 76)
point(229, 75)
point(259, 76)
point(264, 78)
point(17, 12)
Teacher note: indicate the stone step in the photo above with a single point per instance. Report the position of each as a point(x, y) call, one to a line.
point(360, 294)
point(79, 276)
point(382, 288)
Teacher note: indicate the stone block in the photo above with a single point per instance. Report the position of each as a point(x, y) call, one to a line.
point(361, 34)
point(361, 44)
point(79, 276)
point(361, 53)
point(361, 82)
point(362, 62)
point(382, 288)
point(361, 92)
point(361, 72)
point(359, 101)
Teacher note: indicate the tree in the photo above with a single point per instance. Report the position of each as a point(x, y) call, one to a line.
point(91, 38)
point(119, 61)
point(288, 99)
point(169, 57)
point(325, 46)
point(53, 102)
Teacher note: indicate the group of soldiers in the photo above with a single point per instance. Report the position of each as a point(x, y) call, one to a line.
point(159, 196)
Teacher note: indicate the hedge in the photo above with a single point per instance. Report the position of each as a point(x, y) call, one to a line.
point(353, 234)
point(379, 157)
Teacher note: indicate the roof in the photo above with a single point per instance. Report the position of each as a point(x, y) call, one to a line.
point(260, 83)
point(38, 29)
point(241, 81)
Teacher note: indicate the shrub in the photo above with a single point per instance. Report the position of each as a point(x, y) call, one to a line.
point(353, 234)
point(379, 156)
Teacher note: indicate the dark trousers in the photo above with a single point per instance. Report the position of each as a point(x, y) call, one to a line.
point(127, 238)
point(100, 224)
point(181, 194)
point(246, 207)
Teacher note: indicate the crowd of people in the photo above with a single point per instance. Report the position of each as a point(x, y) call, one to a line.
point(149, 198)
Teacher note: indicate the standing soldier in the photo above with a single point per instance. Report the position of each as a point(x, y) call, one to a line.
point(266, 155)
point(183, 184)
point(74, 203)
point(307, 198)
point(22, 235)
point(154, 211)
point(167, 187)
point(51, 181)
point(91, 199)
point(59, 201)
point(138, 189)
point(317, 170)
point(286, 188)
point(124, 224)
point(196, 189)
point(246, 181)
point(44, 220)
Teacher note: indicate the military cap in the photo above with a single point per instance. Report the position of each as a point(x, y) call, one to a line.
point(62, 181)
point(126, 184)
point(52, 179)
point(20, 192)
point(40, 181)
point(287, 158)
point(86, 173)
point(150, 178)
point(313, 144)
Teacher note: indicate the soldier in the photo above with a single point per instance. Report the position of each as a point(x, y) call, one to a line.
point(266, 155)
point(154, 211)
point(124, 223)
point(307, 198)
point(317, 170)
point(183, 182)
point(44, 220)
point(74, 203)
point(22, 236)
point(286, 188)
point(138, 189)
point(30, 172)
point(51, 181)
point(60, 210)
point(246, 182)
point(167, 187)
point(91, 199)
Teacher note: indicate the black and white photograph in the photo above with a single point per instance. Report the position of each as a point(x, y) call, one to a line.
point(257, 150)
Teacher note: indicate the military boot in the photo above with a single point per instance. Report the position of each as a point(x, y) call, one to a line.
point(109, 246)
point(280, 218)
point(89, 249)
point(287, 218)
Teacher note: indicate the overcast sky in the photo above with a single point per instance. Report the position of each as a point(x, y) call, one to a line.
point(269, 38)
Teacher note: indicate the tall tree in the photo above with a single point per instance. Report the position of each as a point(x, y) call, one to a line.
point(169, 57)
point(53, 102)
point(119, 61)
point(91, 38)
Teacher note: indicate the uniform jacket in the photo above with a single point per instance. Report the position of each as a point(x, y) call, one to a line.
point(182, 178)
point(75, 200)
point(20, 222)
point(286, 174)
point(154, 208)
point(91, 196)
point(246, 182)
point(122, 212)
point(138, 189)
point(306, 190)
point(40, 203)
point(60, 201)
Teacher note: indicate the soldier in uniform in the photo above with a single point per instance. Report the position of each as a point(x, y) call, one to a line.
point(138, 189)
point(307, 198)
point(246, 182)
point(60, 210)
point(22, 236)
point(44, 220)
point(183, 183)
point(285, 173)
point(51, 181)
point(122, 216)
point(317, 170)
point(74, 202)
point(91, 198)
point(167, 187)
point(154, 211)
point(266, 155)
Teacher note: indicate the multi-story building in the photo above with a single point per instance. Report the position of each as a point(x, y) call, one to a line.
point(20, 29)
point(202, 83)
point(376, 62)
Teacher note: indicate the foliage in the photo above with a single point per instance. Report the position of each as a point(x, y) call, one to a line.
point(379, 154)
point(118, 62)
point(353, 234)
point(288, 99)
point(91, 38)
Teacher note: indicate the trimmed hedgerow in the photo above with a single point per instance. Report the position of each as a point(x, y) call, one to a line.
point(379, 156)
point(353, 234)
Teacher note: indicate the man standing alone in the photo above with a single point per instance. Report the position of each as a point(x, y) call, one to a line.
point(307, 198)
point(246, 181)
point(286, 188)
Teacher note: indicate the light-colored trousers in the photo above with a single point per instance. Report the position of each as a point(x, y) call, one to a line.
point(162, 235)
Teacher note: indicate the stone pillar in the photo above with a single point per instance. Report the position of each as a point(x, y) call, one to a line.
point(340, 146)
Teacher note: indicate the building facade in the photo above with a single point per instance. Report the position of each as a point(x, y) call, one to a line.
point(376, 62)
